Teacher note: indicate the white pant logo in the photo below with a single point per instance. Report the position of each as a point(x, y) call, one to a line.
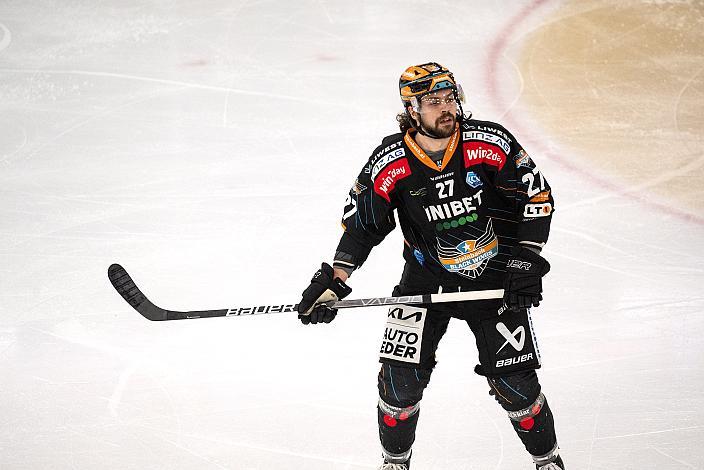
point(511, 339)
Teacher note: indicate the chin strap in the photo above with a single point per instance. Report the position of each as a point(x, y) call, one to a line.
point(422, 130)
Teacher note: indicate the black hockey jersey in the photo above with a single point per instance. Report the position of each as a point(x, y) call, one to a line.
point(459, 219)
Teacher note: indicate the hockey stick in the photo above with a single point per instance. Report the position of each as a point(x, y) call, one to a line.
point(125, 286)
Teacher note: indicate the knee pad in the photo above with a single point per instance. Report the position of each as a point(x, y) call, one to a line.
point(402, 386)
point(528, 410)
point(527, 416)
point(400, 392)
point(520, 396)
point(392, 415)
point(535, 427)
point(397, 430)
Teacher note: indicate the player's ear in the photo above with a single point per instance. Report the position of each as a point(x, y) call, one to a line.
point(415, 117)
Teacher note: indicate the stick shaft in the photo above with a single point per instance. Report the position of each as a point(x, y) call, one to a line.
point(125, 286)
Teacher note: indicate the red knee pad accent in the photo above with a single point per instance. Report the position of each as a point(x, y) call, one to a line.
point(390, 421)
point(527, 424)
point(395, 413)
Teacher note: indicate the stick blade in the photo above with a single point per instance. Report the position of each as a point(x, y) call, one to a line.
point(125, 286)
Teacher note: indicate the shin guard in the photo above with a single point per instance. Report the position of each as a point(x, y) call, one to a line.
point(397, 430)
point(530, 415)
point(535, 427)
point(400, 393)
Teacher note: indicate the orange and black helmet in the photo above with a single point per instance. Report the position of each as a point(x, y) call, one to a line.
point(419, 80)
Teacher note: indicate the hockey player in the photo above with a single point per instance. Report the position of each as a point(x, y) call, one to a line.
point(475, 212)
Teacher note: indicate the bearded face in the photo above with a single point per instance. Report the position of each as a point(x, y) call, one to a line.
point(441, 126)
point(437, 113)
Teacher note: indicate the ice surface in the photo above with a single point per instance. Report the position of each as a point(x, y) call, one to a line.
point(208, 147)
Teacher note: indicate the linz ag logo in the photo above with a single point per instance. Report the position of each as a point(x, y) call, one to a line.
point(488, 137)
point(385, 160)
point(379, 154)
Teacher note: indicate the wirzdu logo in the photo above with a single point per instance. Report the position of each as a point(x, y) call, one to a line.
point(516, 339)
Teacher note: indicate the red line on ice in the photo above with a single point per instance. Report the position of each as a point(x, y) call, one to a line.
point(496, 50)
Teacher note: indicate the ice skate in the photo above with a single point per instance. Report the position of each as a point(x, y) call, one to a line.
point(396, 462)
point(554, 465)
point(394, 466)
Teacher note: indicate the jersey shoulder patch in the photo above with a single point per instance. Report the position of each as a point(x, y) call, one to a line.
point(387, 165)
point(485, 142)
point(388, 145)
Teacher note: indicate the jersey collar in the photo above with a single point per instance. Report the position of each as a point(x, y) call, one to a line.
point(424, 158)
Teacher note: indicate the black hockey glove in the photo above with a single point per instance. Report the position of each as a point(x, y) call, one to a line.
point(323, 288)
point(524, 272)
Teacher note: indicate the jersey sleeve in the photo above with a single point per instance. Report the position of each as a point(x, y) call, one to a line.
point(521, 181)
point(368, 214)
